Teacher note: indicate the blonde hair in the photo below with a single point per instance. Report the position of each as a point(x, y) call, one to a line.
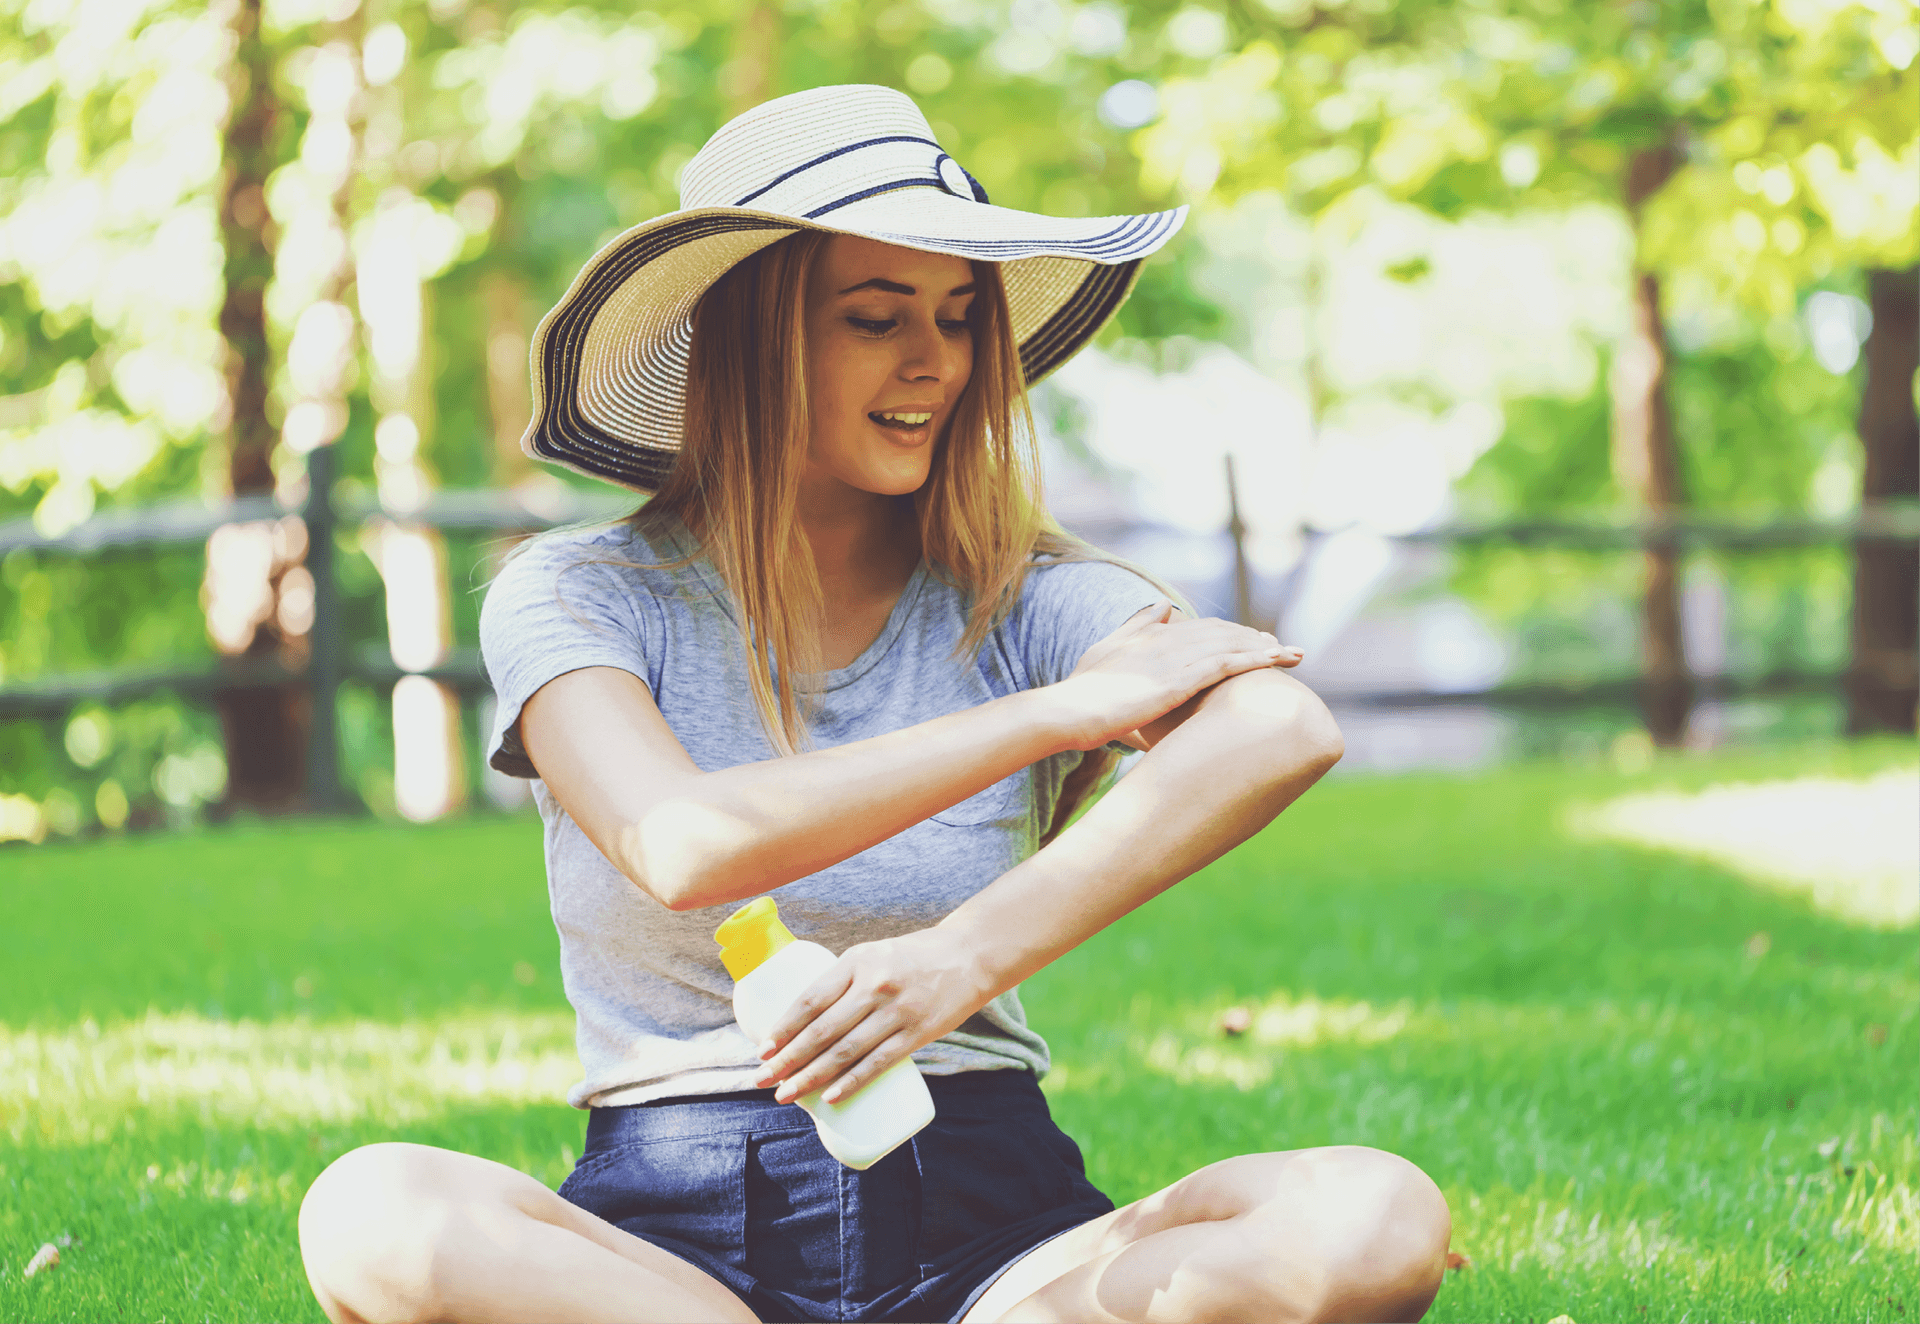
point(735, 485)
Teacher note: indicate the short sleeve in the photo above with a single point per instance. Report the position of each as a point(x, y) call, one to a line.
point(552, 610)
point(1068, 607)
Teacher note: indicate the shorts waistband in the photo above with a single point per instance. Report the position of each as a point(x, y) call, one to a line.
point(1008, 1093)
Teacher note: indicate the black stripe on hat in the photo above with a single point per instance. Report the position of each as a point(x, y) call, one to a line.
point(838, 151)
point(1128, 236)
point(1084, 313)
point(852, 198)
point(565, 434)
point(1117, 244)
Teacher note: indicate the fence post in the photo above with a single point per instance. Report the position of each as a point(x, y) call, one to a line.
point(323, 665)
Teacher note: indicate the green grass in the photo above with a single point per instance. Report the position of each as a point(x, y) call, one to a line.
point(1633, 1117)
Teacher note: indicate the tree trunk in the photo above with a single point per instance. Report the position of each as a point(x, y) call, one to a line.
point(265, 726)
point(1646, 462)
point(509, 381)
point(753, 72)
point(1881, 683)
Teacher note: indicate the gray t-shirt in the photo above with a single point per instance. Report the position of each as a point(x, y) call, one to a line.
point(654, 1004)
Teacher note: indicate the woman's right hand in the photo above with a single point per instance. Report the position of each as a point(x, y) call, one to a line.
point(1156, 661)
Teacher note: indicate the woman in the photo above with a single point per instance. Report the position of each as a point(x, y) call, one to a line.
point(844, 657)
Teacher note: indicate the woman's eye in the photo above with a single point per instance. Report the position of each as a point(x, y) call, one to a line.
point(954, 328)
point(870, 326)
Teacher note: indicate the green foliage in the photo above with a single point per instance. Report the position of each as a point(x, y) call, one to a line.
point(131, 616)
point(1551, 459)
point(1625, 1105)
point(540, 130)
point(1566, 614)
point(1763, 427)
point(1759, 416)
point(1799, 126)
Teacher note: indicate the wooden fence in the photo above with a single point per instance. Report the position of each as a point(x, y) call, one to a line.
point(508, 513)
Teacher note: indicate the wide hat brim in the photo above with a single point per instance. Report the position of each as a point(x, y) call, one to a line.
point(609, 360)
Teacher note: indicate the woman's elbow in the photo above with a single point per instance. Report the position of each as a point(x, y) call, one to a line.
point(1311, 739)
point(688, 854)
point(1322, 734)
point(1286, 718)
point(674, 889)
point(661, 858)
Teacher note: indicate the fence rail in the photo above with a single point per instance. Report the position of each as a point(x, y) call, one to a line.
point(507, 512)
point(510, 511)
point(171, 523)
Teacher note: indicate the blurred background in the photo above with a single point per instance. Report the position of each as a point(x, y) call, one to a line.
point(1547, 372)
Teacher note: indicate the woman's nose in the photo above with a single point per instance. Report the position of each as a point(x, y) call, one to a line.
point(927, 355)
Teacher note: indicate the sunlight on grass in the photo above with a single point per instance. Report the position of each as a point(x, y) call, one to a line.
point(1864, 1198)
point(1649, 1089)
point(1284, 1021)
point(1697, 1056)
point(84, 1084)
point(1518, 1232)
point(1851, 847)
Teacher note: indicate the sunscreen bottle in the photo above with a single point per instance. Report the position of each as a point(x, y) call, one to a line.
point(771, 968)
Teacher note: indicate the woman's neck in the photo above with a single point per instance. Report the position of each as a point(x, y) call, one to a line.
point(865, 554)
point(862, 549)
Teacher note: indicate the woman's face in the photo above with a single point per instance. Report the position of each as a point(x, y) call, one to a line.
point(889, 350)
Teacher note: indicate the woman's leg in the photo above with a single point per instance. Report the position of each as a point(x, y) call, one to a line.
point(407, 1232)
point(1340, 1233)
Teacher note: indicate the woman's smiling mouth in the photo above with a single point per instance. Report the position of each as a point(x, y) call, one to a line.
point(901, 420)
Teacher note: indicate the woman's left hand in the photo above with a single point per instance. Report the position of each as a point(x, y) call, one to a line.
point(879, 1002)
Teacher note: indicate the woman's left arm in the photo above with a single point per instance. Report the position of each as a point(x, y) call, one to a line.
point(1247, 749)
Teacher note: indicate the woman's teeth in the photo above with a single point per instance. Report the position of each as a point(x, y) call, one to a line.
point(899, 420)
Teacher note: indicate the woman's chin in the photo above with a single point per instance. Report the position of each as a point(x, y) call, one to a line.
point(899, 489)
point(894, 480)
point(895, 475)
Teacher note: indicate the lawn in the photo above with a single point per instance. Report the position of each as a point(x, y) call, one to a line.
point(1650, 1088)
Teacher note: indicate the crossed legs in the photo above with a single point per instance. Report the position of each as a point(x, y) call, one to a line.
point(1338, 1233)
point(398, 1232)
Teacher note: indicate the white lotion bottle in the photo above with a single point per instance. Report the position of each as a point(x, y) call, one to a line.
point(771, 968)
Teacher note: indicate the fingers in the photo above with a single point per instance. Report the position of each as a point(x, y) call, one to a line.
point(1154, 613)
point(830, 1026)
point(818, 996)
point(1232, 664)
point(828, 1056)
point(1213, 635)
point(848, 1065)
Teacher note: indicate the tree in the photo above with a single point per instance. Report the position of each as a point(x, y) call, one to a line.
point(1881, 688)
point(259, 594)
point(1733, 135)
point(262, 162)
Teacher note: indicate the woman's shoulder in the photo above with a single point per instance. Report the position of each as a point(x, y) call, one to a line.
point(1069, 602)
point(1056, 576)
point(607, 568)
point(619, 551)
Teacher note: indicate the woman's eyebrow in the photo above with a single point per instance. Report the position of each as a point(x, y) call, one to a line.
point(895, 287)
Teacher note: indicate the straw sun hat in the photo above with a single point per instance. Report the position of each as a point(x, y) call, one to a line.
point(610, 359)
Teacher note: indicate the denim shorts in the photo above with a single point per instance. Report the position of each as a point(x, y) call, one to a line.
point(740, 1187)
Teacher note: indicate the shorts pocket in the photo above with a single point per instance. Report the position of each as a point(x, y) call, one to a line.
point(794, 1213)
point(980, 1176)
point(686, 1189)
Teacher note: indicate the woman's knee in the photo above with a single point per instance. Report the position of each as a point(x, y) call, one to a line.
point(1386, 1226)
point(370, 1231)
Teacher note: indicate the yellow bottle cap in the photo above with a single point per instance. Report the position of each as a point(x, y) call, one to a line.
point(750, 935)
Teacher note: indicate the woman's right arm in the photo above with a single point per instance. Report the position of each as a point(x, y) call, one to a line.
point(692, 839)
